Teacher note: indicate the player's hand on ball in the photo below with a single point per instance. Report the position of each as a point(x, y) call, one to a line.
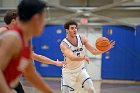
point(87, 59)
point(112, 43)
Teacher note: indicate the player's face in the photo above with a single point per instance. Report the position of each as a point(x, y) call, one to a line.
point(14, 23)
point(39, 23)
point(72, 31)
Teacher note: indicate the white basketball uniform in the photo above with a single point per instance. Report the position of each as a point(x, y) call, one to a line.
point(74, 74)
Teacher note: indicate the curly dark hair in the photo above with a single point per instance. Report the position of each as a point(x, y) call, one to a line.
point(9, 16)
point(71, 22)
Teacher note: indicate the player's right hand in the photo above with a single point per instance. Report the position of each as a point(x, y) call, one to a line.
point(87, 59)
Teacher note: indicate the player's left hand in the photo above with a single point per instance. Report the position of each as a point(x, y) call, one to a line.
point(87, 59)
point(112, 43)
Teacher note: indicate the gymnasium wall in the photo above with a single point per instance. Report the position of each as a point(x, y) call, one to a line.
point(137, 57)
point(122, 62)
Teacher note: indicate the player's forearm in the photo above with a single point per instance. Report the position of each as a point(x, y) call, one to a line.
point(93, 50)
point(96, 52)
point(35, 79)
point(47, 60)
point(3, 86)
point(37, 57)
point(76, 58)
point(38, 82)
point(43, 59)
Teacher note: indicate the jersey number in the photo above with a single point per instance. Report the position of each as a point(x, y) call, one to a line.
point(78, 54)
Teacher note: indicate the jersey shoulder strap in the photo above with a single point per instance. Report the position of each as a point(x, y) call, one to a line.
point(80, 42)
point(67, 42)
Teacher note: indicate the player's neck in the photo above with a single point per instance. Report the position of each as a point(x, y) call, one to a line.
point(71, 38)
point(27, 31)
point(10, 26)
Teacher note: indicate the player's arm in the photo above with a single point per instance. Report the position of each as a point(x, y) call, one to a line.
point(93, 50)
point(34, 78)
point(10, 46)
point(46, 60)
point(3, 29)
point(68, 53)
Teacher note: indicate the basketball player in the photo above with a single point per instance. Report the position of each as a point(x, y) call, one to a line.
point(75, 79)
point(15, 55)
point(10, 20)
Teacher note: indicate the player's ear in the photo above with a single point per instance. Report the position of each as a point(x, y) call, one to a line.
point(66, 30)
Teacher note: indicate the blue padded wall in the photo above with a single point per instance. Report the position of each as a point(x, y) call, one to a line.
point(137, 53)
point(119, 62)
point(48, 44)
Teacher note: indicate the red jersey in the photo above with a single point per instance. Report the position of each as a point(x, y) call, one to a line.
point(17, 65)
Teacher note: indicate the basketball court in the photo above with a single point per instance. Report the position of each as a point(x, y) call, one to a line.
point(106, 87)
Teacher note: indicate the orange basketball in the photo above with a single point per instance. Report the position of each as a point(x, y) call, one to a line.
point(102, 44)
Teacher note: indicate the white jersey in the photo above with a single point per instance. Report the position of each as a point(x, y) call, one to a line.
point(78, 50)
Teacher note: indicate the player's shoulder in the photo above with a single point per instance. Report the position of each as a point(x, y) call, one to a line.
point(63, 43)
point(13, 32)
point(11, 42)
point(11, 36)
point(3, 28)
point(83, 38)
point(80, 36)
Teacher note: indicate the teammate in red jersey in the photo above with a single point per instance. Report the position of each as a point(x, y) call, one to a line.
point(10, 20)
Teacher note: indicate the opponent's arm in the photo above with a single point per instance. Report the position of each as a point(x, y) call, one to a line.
point(46, 60)
point(35, 79)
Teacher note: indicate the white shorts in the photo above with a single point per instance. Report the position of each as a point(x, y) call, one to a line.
point(74, 80)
